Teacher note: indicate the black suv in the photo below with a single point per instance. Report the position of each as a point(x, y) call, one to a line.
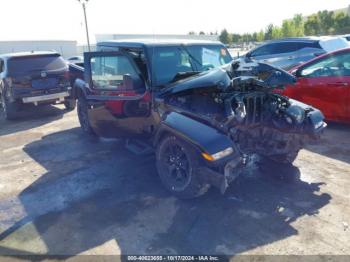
point(33, 77)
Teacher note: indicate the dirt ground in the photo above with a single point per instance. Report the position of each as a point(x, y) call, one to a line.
point(64, 194)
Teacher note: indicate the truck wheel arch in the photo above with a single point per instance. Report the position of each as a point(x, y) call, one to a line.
point(210, 140)
point(78, 89)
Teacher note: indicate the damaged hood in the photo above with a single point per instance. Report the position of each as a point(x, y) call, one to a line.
point(217, 77)
point(235, 75)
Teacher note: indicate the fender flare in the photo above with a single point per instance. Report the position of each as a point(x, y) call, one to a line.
point(79, 88)
point(202, 136)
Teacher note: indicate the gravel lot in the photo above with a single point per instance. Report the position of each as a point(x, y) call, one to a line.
point(64, 194)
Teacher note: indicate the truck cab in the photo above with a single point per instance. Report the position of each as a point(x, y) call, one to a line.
point(125, 76)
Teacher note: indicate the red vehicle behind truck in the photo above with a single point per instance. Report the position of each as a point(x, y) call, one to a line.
point(324, 83)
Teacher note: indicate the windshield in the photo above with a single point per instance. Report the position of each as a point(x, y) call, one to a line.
point(168, 61)
point(20, 65)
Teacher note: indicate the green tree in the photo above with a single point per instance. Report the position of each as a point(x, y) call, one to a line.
point(341, 23)
point(326, 19)
point(201, 33)
point(298, 22)
point(191, 33)
point(288, 28)
point(235, 38)
point(312, 25)
point(268, 32)
point(246, 37)
point(225, 37)
point(255, 37)
point(260, 36)
point(276, 32)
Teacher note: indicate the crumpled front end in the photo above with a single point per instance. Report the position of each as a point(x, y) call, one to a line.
point(239, 102)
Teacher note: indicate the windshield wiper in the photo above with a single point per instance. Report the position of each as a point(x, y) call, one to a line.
point(183, 47)
point(182, 75)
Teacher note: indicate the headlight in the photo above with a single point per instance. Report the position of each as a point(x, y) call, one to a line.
point(320, 124)
point(296, 113)
point(218, 155)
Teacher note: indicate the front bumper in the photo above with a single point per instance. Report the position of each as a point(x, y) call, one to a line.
point(231, 171)
point(42, 98)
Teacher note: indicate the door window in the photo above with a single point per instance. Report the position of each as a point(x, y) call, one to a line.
point(267, 49)
point(277, 48)
point(334, 65)
point(110, 72)
point(287, 47)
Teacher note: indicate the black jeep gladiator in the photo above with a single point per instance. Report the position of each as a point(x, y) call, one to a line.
point(35, 78)
point(203, 114)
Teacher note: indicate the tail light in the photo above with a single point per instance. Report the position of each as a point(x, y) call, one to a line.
point(64, 80)
point(18, 81)
point(66, 75)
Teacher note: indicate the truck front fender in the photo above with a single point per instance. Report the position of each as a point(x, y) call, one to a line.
point(202, 136)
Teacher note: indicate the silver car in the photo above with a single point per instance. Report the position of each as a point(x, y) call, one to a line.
point(289, 52)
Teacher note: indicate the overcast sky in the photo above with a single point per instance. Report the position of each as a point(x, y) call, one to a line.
point(63, 19)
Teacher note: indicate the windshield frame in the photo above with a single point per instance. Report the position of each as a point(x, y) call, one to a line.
point(182, 48)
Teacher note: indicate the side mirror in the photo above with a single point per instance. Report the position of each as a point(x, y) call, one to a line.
point(294, 72)
point(298, 72)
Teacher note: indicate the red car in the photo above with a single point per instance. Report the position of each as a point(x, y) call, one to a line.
point(324, 83)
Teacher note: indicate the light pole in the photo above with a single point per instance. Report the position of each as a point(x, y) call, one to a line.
point(83, 3)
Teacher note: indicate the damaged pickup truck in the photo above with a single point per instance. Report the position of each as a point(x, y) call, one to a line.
point(203, 115)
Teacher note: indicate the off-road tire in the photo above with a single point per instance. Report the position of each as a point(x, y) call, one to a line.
point(70, 104)
point(9, 108)
point(84, 121)
point(192, 185)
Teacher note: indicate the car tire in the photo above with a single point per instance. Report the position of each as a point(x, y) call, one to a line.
point(70, 104)
point(178, 165)
point(9, 108)
point(83, 117)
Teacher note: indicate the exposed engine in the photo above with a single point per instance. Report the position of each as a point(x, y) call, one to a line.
point(245, 107)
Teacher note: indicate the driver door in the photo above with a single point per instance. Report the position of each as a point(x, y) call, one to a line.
point(325, 84)
point(119, 101)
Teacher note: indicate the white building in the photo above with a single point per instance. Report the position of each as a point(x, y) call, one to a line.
point(70, 48)
point(104, 37)
point(65, 48)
